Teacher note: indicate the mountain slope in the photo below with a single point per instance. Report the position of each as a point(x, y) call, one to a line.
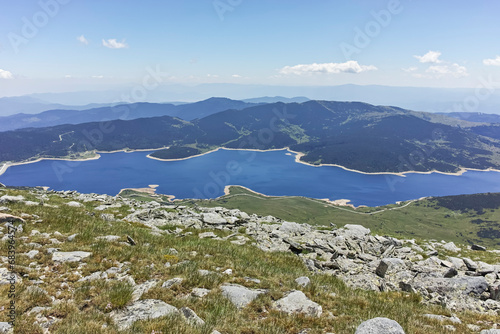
point(352, 134)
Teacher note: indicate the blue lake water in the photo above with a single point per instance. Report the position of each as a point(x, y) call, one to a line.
point(271, 173)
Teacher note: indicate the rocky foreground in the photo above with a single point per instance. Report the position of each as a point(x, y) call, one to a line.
point(435, 270)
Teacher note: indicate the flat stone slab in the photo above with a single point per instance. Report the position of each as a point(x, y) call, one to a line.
point(6, 218)
point(142, 310)
point(76, 256)
point(297, 302)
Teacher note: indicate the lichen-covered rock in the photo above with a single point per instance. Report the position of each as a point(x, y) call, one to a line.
point(239, 295)
point(142, 310)
point(380, 326)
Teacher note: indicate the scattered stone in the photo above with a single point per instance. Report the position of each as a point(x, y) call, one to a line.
point(443, 318)
point(450, 246)
point(449, 328)
point(6, 218)
point(109, 238)
point(303, 281)
point(32, 253)
point(213, 219)
point(239, 295)
point(471, 265)
point(72, 237)
point(478, 248)
point(131, 241)
point(452, 272)
point(191, 317)
point(490, 331)
point(356, 231)
point(74, 204)
point(141, 289)
point(142, 310)
point(207, 235)
point(388, 265)
point(380, 326)
point(69, 256)
point(171, 282)
point(228, 272)
point(297, 302)
point(5, 327)
point(11, 199)
point(199, 292)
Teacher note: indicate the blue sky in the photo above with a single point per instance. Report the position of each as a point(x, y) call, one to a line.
point(92, 44)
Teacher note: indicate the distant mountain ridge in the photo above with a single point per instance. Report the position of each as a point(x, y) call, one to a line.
point(356, 135)
point(188, 111)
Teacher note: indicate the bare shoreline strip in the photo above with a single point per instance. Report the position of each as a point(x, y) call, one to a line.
point(298, 155)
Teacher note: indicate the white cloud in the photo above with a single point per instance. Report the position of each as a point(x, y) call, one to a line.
point(430, 57)
point(452, 69)
point(492, 62)
point(236, 76)
point(410, 69)
point(113, 44)
point(350, 66)
point(5, 74)
point(68, 76)
point(82, 40)
point(98, 76)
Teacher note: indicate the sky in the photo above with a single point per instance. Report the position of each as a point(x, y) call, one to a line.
point(69, 45)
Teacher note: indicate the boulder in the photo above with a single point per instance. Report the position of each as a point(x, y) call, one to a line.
point(74, 204)
point(142, 310)
point(140, 289)
point(450, 246)
point(380, 326)
point(11, 199)
point(76, 256)
point(297, 302)
point(213, 218)
point(355, 231)
point(239, 295)
point(478, 248)
point(207, 235)
point(490, 331)
point(109, 237)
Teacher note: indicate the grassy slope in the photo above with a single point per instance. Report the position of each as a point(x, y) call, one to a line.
point(422, 219)
point(84, 305)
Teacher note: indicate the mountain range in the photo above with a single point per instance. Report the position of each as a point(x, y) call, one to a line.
point(352, 134)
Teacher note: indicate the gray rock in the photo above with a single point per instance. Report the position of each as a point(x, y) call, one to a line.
point(478, 248)
point(6, 218)
point(297, 302)
point(11, 199)
point(72, 237)
point(191, 317)
point(32, 253)
point(109, 238)
point(388, 265)
point(355, 231)
point(70, 256)
point(5, 327)
point(303, 281)
point(450, 246)
point(379, 326)
point(171, 282)
point(471, 265)
point(199, 292)
point(452, 272)
point(131, 241)
point(142, 310)
point(74, 204)
point(207, 235)
point(141, 289)
point(442, 318)
point(213, 219)
point(239, 295)
point(490, 331)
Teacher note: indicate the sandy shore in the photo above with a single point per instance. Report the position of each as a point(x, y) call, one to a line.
point(11, 164)
point(227, 191)
point(299, 155)
point(151, 190)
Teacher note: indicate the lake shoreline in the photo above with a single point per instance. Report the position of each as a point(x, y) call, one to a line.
point(298, 156)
